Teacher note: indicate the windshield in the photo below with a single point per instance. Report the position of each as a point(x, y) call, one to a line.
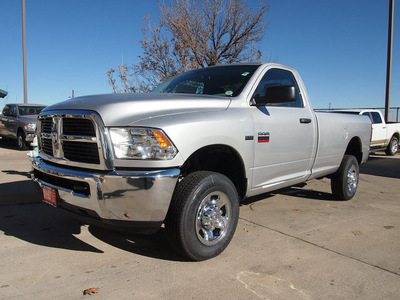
point(226, 81)
point(29, 110)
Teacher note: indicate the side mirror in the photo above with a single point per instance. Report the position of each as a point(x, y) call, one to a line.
point(277, 95)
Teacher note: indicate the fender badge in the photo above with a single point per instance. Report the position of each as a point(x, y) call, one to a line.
point(263, 137)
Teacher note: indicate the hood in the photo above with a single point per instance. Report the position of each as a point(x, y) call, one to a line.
point(28, 119)
point(126, 109)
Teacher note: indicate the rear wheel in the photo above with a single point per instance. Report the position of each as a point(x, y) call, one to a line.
point(21, 143)
point(344, 182)
point(203, 215)
point(393, 146)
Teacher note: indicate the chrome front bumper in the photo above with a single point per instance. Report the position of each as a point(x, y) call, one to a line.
point(133, 196)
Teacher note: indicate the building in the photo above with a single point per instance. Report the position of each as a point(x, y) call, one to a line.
point(3, 93)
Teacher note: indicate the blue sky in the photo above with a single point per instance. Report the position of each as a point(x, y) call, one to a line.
point(339, 47)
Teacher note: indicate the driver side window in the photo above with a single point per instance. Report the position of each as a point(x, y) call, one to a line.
point(13, 111)
point(6, 111)
point(9, 111)
point(279, 77)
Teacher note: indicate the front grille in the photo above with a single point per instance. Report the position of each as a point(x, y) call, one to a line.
point(82, 127)
point(82, 152)
point(46, 125)
point(70, 139)
point(47, 146)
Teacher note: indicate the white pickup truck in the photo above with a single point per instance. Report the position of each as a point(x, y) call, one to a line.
point(186, 154)
point(385, 136)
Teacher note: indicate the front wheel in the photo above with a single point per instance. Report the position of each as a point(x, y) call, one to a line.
point(344, 182)
point(21, 143)
point(393, 146)
point(203, 215)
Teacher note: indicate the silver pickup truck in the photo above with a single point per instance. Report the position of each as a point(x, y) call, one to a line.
point(186, 154)
point(18, 121)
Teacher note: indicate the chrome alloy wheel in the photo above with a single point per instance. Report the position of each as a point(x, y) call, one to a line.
point(395, 147)
point(213, 218)
point(20, 142)
point(352, 179)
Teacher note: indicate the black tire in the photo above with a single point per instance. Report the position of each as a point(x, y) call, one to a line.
point(21, 143)
point(344, 182)
point(203, 215)
point(393, 146)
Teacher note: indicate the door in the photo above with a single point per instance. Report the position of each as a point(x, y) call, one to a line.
point(379, 130)
point(12, 121)
point(2, 121)
point(9, 120)
point(284, 136)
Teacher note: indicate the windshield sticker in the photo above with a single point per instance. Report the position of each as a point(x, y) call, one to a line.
point(245, 73)
point(229, 93)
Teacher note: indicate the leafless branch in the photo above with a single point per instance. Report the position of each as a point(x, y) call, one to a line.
point(194, 34)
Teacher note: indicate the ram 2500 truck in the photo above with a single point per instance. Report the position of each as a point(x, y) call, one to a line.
point(186, 154)
point(18, 122)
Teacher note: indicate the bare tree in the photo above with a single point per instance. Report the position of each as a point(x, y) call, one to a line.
point(124, 77)
point(193, 34)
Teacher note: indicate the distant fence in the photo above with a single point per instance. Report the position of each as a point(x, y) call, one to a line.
point(394, 114)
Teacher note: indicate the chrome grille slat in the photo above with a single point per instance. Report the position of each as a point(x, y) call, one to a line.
point(74, 138)
point(77, 138)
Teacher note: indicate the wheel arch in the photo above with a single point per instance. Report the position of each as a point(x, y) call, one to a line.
point(20, 130)
point(355, 148)
point(396, 134)
point(221, 159)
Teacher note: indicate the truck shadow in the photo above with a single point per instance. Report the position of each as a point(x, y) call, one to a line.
point(8, 144)
point(42, 225)
point(149, 245)
point(300, 192)
point(11, 144)
point(295, 191)
point(382, 165)
point(19, 192)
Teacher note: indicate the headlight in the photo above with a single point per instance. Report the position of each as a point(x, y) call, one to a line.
point(141, 143)
point(30, 126)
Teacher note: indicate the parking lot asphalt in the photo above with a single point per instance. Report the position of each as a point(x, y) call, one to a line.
point(297, 243)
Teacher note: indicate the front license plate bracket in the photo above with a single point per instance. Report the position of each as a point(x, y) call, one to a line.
point(50, 195)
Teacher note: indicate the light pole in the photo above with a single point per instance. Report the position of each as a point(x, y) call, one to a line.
point(389, 60)
point(24, 50)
